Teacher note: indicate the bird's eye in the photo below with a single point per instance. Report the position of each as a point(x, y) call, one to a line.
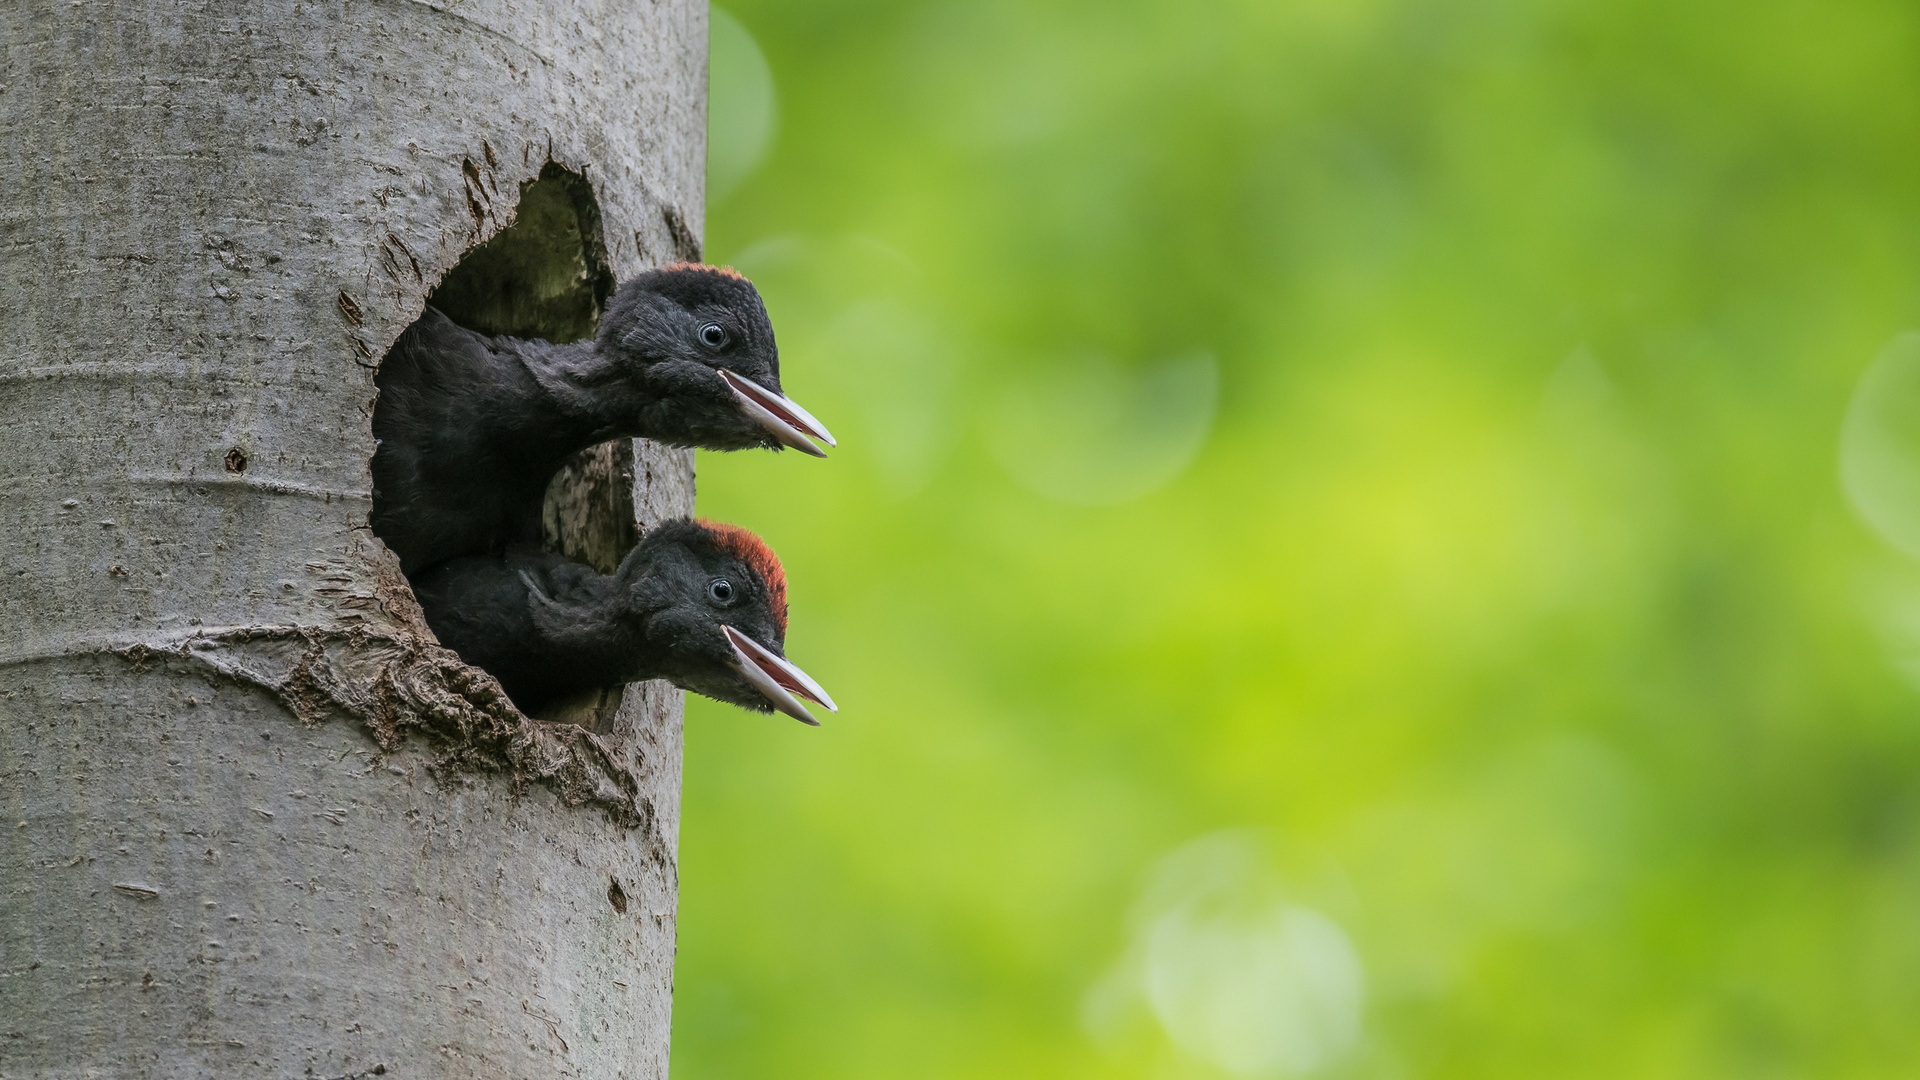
point(714, 335)
point(721, 590)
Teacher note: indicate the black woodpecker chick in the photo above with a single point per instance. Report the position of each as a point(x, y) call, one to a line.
point(470, 428)
point(701, 605)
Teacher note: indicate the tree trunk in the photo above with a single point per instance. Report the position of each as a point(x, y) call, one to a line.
point(257, 822)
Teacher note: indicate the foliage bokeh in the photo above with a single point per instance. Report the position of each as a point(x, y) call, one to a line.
point(1393, 443)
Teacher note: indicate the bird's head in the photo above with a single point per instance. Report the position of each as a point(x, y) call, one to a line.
point(713, 601)
point(698, 342)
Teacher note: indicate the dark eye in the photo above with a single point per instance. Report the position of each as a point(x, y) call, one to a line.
point(721, 590)
point(714, 335)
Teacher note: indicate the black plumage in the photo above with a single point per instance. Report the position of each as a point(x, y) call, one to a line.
point(678, 608)
point(470, 428)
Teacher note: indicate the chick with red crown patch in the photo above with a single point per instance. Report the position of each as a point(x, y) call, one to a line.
point(700, 604)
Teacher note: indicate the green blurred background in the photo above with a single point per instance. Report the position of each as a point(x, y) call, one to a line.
point(1371, 538)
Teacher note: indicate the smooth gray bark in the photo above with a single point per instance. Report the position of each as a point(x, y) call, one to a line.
point(257, 823)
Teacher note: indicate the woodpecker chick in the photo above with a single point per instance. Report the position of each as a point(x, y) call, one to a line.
point(701, 605)
point(470, 428)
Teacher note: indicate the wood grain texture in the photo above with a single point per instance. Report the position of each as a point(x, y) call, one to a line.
point(256, 822)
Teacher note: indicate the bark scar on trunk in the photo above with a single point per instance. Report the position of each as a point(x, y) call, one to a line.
point(400, 684)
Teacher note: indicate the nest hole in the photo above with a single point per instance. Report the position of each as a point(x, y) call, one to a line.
point(547, 275)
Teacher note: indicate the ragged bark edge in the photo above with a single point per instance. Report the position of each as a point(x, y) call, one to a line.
point(395, 686)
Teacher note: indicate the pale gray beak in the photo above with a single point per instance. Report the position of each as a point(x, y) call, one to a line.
point(776, 677)
point(780, 415)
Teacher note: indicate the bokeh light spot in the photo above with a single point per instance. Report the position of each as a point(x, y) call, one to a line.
point(1233, 971)
point(741, 112)
point(1090, 432)
point(1880, 445)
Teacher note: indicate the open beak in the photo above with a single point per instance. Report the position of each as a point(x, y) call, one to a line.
point(780, 415)
point(775, 677)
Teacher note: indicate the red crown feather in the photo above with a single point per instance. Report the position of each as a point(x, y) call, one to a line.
point(754, 551)
point(723, 271)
